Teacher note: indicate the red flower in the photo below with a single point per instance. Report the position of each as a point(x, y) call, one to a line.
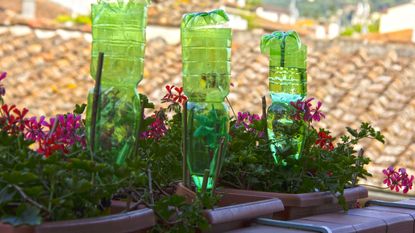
point(169, 94)
point(13, 119)
point(177, 97)
point(325, 141)
point(180, 97)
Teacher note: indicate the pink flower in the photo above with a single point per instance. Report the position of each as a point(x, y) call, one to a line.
point(34, 129)
point(49, 137)
point(246, 119)
point(3, 75)
point(156, 130)
point(397, 180)
point(305, 110)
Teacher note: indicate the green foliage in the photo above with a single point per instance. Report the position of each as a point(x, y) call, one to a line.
point(251, 164)
point(35, 188)
point(179, 216)
point(165, 153)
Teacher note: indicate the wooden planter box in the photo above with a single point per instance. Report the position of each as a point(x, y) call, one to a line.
point(300, 205)
point(234, 211)
point(137, 221)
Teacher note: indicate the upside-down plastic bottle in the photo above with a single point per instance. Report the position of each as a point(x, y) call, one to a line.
point(118, 30)
point(206, 53)
point(287, 83)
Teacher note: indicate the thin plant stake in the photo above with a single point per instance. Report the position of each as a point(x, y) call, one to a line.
point(205, 180)
point(139, 129)
point(264, 115)
point(186, 178)
point(218, 163)
point(95, 102)
point(230, 105)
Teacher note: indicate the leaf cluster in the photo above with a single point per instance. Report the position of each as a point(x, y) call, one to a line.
point(251, 165)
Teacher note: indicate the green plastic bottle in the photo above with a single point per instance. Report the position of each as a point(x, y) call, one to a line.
point(287, 83)
point(118, 30)
point(206, 55)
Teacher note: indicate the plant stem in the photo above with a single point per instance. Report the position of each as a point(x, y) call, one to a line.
point(160, 188)
point(30, 200)
point(230, 105)
point(95, 102)
point(139, 129)
point(150, 184)
point(218, 163)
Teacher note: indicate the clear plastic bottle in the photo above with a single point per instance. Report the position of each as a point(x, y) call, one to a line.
point(287, 83)
point(206, 54)
point(118, 30)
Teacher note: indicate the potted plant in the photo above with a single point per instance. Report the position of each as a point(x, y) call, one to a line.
point(178, 208)
point(50, 182)
point(323, 179)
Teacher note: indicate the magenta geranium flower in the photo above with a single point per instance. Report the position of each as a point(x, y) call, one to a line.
point(3, 75)
point(397, 180)
point(304, 110)
point(246, 120)
point(156, 130)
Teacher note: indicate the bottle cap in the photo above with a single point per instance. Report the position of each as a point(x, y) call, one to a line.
point(285, 49)
point(216, 18)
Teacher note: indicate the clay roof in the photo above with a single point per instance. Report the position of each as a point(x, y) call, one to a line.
point(48, 73)
point(45, 9)
point(170, 12)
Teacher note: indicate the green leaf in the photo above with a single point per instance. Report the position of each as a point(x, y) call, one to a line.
point(353, 132)
point(83, 186)
point(26, 215)
point(79, 109)
point(145, 102)
point(17, 177)
point(6, 195)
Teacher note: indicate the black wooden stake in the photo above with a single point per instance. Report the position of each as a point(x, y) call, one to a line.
point(95, 102)
point(264, 115)
point(186, 178)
